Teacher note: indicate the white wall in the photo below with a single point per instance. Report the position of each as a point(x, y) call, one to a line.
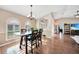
point(49, 30)
point(5, 16)
point(69, 20)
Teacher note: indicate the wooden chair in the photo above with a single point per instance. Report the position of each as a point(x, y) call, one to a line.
point(32, 38)
point(40, 36)
point(22, 37)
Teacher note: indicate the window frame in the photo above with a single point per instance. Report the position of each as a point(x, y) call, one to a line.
point(13, 36)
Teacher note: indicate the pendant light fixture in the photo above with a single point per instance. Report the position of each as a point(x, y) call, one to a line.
point(77, 14)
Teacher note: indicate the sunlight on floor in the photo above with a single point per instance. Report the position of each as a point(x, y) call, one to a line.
point(61, 35)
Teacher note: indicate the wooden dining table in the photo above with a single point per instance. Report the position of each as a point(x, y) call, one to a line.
point(24, 34)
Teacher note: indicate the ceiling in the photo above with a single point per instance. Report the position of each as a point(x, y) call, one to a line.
point(58, 11)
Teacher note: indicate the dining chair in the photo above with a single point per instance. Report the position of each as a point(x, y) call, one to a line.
point(40, 36)
point(32, 38)
point(22, 37)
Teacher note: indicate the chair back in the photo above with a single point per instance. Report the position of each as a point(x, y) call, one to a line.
point(23, 30)
point(40, 32)
point(34, 34)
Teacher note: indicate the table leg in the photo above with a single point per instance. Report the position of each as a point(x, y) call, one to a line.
point(26, 50)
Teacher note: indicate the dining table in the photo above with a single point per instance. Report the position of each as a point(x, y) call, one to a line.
point(24, 34)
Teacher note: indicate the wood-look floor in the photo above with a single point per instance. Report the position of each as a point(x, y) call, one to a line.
point(55, 45)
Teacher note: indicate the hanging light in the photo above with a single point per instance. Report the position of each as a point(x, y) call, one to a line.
point(31, 13)
point(77, 15)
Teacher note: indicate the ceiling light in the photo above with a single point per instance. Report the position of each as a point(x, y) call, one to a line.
point(31, 14)
point(77, 14)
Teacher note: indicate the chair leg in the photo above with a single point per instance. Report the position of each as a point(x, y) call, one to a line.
point(36, 43)
point(41, 42)
point(21, 42)
point(31, 48)
point(20, 47)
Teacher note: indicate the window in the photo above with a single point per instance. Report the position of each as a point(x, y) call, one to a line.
point(12, 28)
